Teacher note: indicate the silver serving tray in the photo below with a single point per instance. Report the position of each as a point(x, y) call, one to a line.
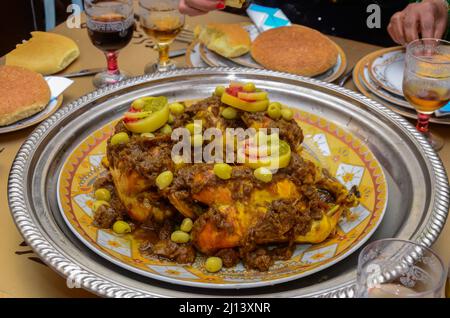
point(418, 185)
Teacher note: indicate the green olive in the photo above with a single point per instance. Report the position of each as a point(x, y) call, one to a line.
point(213, 264)
point(102, 194)
point(166, 130)
point(249, 87)
point(277, 104)
point(287, 114)
point(171, 119)
point(176, 108)
point(197, 140)
point(147, 135)
point(263, 174)
point(98, 204)
point(120, 138)
point(138, 104)
point(274, 111)
point(219, 90)
point(229, 113)
point(186, 225)
point(222, 170)
point(193, 128)
point(121, 227)
point(180, 237)
point(164, 179)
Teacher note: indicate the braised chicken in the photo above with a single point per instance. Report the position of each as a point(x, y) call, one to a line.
point(236, 215)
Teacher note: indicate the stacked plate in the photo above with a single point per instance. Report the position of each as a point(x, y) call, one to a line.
point(379, 76)
point(198, 55)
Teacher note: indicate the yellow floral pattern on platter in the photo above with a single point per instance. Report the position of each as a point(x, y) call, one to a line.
point(327, 144)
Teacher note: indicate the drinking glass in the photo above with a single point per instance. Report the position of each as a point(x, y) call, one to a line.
point(393, 268)
point(162, 22)
point(110, 27)
point(426, 81)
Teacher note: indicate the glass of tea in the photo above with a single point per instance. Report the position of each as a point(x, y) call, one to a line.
point(393, 268)
point(426, 81)
point(162, 22)
point(110, 27)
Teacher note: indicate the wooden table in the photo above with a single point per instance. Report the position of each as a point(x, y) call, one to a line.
point(22, 273)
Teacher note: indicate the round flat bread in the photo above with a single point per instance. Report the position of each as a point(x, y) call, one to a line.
point(23, 94)
point(295, 49)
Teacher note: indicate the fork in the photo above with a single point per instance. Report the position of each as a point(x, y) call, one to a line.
point(185, 35)
point(345, 78)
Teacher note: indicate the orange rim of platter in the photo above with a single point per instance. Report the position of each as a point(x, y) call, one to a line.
point(77, 177)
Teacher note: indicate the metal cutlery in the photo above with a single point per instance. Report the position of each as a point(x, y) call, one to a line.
point(85, 72)
point(92, 71)
point(345, 78)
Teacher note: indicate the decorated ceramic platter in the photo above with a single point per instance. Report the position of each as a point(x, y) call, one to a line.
point(328, 145)
point(386, 68)
point(45, 180)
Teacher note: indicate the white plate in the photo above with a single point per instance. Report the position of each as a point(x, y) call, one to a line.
point(387, 70)
point(209, 58)
point(247, 59)
point(361, 84)
point(380, 91)
point(193, 58)
point(51, 107)
point(57, 86)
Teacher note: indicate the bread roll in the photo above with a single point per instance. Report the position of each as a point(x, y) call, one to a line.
point(45, 53)
point(23, 94)
point(295, 49)
point(229, 40)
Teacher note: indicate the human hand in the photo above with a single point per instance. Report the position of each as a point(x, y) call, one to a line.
point(427, 19)
point(198, 7)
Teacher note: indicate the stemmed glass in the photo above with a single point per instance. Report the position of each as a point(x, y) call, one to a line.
point(110, 27)
point(162, 22)
point(426, 81)
point(392, 268)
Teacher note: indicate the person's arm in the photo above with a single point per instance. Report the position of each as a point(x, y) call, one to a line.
point(199, 7)
point(426, 19)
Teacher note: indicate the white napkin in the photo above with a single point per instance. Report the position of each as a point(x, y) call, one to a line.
point(444, 111)
point(266, 18)
point(57, 86)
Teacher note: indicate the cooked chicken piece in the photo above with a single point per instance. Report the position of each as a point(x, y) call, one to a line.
point(243, 208)
point(228, 222)
point(134, 169)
